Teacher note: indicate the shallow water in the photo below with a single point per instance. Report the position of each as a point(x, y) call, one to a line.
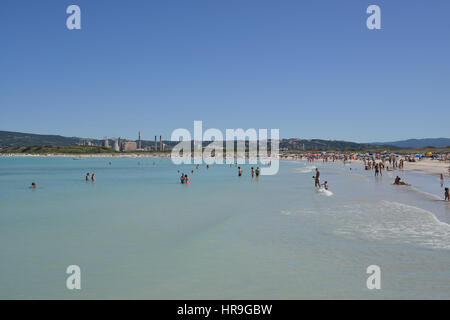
point(138, 233)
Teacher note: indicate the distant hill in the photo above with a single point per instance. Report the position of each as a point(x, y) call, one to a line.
point(17, 139)
point(419, 143)
point(322, 145)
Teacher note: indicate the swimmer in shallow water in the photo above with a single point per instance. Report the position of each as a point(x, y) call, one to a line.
point(398, 182)
point(325, 185)
point(33, 186)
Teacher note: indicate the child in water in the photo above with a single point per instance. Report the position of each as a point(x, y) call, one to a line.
point(325, 185)
point(186, 178)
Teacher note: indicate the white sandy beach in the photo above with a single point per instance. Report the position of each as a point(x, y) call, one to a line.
point(428, 166)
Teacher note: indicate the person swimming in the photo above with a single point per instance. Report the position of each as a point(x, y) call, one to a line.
point(33, 185)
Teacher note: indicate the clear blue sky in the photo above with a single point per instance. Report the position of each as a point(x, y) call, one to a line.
point(310, 68)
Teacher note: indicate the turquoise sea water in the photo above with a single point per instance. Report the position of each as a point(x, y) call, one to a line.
point(138, 233)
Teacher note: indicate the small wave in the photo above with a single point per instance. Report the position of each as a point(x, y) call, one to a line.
point(324, 192)
point(394, 221)
point(307, 169)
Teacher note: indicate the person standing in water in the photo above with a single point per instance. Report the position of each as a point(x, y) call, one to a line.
point(257, 172)
point(33, 185)
point(317, 178)
point(182, 178)
point(186, 179)
point(87, 176)
point(325, 185)
point(253, 172)
point(239, 171)
point(442, 180)
point(447, 195)
point(93, 177)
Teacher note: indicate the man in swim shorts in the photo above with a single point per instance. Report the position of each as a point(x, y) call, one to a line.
point(317, 178)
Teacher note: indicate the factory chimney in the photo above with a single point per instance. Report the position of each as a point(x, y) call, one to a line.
point(139, 141)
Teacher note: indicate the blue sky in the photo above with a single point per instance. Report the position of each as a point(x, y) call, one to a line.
point(310, 68)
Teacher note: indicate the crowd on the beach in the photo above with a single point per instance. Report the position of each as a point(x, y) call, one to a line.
point(376, 162)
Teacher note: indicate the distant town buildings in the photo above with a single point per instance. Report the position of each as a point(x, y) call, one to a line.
point(128, 146)
point(120, 145)
point(117, 145)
